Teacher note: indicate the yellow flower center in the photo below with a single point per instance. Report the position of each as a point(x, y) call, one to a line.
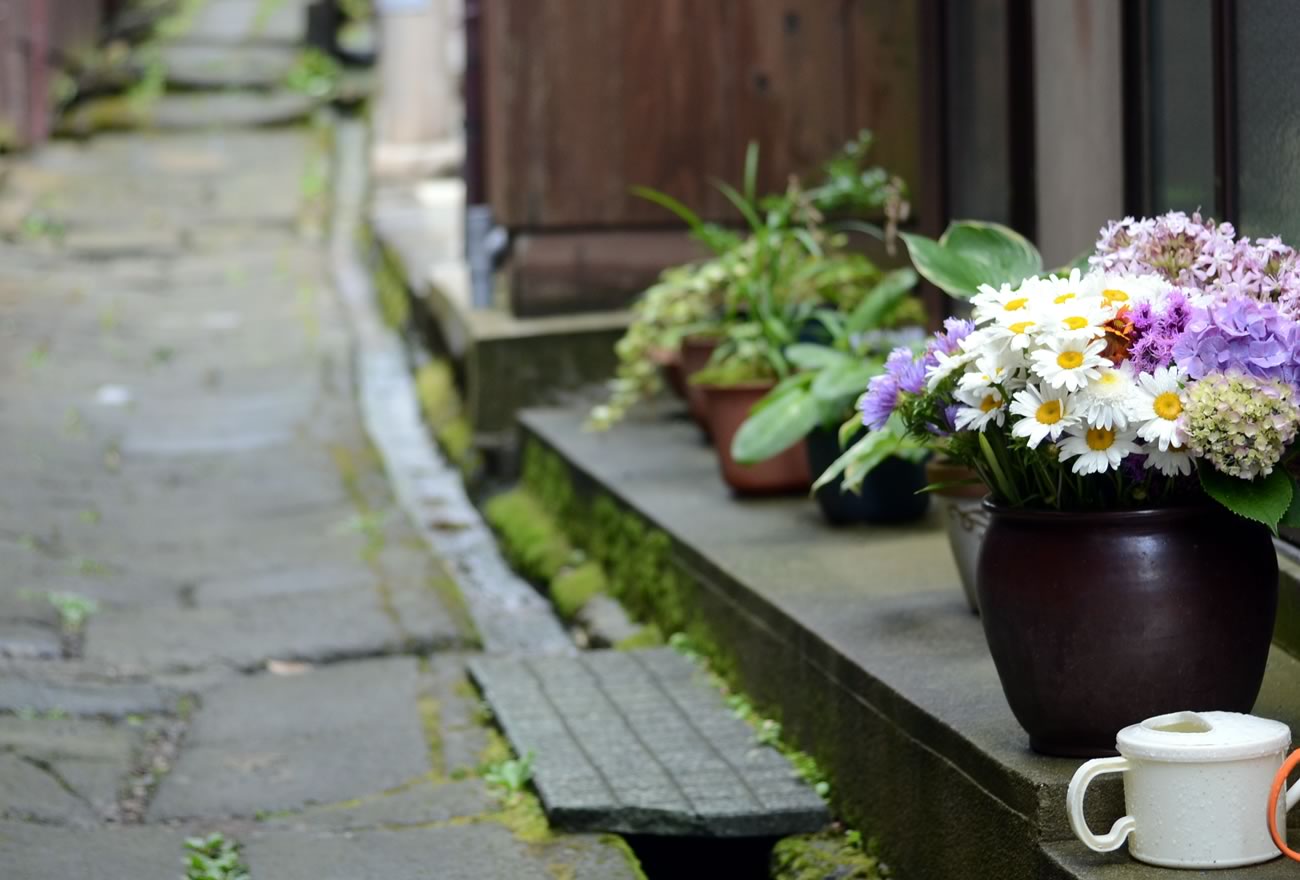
point(1049, 412)
point(1075, 322)
point(1069, 360)
point(1111, 295)
point(1063, 298)
point(1016, 304)
point(1168, 406)
point(989, 403)
point(1100, 438)
point(1020, 327)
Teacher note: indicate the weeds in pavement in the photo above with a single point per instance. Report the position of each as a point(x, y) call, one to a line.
point(213, 858)
point(74, 610)
point(512, 775)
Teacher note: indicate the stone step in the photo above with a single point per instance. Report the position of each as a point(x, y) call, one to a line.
point(639, 742)
point(859, 639)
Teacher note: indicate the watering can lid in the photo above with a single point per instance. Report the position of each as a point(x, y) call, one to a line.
point(1203, 736)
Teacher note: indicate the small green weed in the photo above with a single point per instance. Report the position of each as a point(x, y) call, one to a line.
point(74, 609)
point(512, 775)
point(213, 858)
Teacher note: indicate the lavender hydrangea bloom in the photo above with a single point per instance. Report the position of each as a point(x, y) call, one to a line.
point(1242, 336)
point(1205, 256)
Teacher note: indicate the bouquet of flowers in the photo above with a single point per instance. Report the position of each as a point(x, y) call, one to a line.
point(1166, 372)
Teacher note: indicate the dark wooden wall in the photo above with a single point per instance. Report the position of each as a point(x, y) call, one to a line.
point(586, 98)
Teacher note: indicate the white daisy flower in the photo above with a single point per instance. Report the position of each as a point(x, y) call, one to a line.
point(1001, 304)
point(990, 370)
point(980, 409)
point(1069, 364)
point(1117, 291)
point(1078, 319)
point(947, 364)
point(1097, 450)
point(1110, 401)
point(1010, 335)
point(1170, 462)
point(1045, 412)
point(1159, 407)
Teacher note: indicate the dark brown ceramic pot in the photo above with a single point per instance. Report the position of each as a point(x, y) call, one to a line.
point(728, 407)
point(696, 351)
point(669, 362)
point(1101, 620)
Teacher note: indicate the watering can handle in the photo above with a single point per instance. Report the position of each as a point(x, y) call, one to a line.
point(1120, 831)
point(1292, 796)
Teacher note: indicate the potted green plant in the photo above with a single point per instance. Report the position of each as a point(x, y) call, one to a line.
point(1134, 425)
point(808, 407)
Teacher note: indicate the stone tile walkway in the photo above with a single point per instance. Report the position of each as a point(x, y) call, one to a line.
point(214, 615)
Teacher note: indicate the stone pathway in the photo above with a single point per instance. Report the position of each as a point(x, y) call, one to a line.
point(214, 615)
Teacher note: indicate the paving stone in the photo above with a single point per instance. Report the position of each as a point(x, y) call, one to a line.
point(292, 581)
point(473, 852)
point(79, 767)
point(229, 109)
point(638, 742)
point(34, 852)
point(421, 804)
point(20, 638)
point(248, 21)
point(42, 688)
point(216, 67)
point(314, 628)
point(28, 791)
point(605, 621)
point(276, 743)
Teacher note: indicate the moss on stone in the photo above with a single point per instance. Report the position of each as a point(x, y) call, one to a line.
point(616, 842)
point(573, 588)
point(823, 856)
point(532, 542)
point(454, 602)
point(390, 293)
point(648, 636)
point(430, 712)
point(435, 387)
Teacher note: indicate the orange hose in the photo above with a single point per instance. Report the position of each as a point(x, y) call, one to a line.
point(1279, 786)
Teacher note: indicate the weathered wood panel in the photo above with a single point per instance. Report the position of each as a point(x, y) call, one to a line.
point(587, 99)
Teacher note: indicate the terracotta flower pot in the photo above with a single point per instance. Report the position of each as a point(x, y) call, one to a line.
point(728, 407)
point(964, 517)
point(669, 361)
point(1100, 620)
point(696, 351)
point(888, 494)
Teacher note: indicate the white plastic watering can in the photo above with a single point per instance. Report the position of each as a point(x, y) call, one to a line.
point(1196, 790)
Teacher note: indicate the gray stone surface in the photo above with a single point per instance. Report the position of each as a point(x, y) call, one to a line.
point(230, 66)
point(638, 742)
point(473, 852)
point(424, 803)
point(220, 109)
point(33, 852)
point(605, 621)
point(245, 22)
point(269, 742)
point(73, 689)
point(64, 770)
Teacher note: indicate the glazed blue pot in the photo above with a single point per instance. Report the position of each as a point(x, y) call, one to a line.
point(889, 493)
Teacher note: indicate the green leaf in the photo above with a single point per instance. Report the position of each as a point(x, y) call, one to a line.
point(1264, 499)
point(811, 356)
point(1005, 253)
point(972, 253)
point(777, 426)
point(845, 379)
point(860, 458)
point(744, 207)
point(1291, 519)
point(663, 200)
point(883, 299)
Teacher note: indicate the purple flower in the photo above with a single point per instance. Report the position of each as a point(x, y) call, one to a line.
point(880, 401)
point(1240, 336)
point(1157, 330)
point(953, 332)
point(908, 373)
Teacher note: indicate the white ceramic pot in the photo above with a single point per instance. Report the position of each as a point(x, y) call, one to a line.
point(966, 520)
point(1196, 789)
